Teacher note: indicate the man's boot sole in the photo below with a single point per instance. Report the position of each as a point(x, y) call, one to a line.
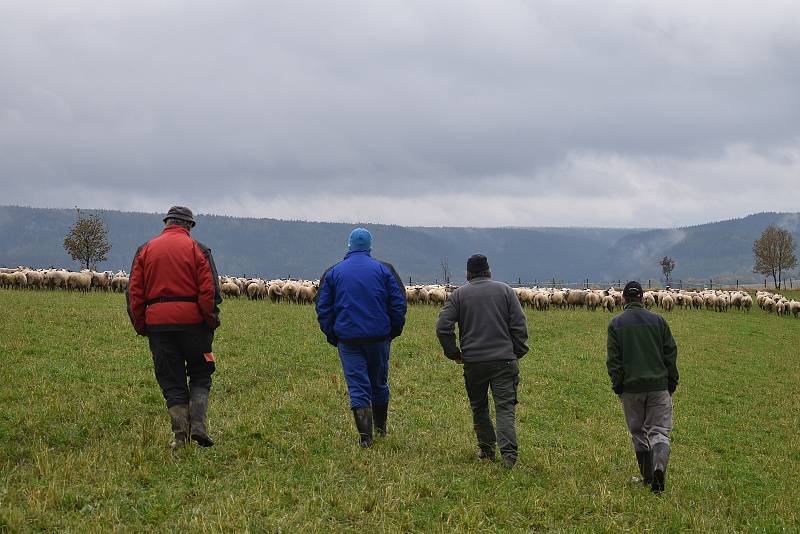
point(203, 441)
point(657, 485)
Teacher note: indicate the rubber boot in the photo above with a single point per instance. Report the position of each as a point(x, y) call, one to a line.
point(363, 417)
point(179, 414)
point(645, 461)
point(198, 407)
point(379, 414)
point(660, 461)
point(509, 461)
point(485, 455)
point(486, 442)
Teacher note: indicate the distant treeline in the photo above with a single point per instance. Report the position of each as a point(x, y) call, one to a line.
point(273, 248)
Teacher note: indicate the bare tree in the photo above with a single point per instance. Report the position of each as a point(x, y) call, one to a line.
point(445, 270)
point(87, 240)
point(667, 266)
point(774, 253)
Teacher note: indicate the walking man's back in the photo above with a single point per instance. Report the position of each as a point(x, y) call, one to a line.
point(493, 335)
point(361, 308)
point(173, 299)
point(642, 365)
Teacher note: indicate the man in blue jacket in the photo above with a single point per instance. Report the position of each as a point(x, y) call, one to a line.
point(361, 307)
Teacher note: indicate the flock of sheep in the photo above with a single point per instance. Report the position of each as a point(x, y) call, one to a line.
point(297, 291)
point(85, 280)
point(305, 292)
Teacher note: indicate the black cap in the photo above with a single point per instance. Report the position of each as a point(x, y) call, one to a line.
point(180, 213)
point(477, 263)
point(633, 289)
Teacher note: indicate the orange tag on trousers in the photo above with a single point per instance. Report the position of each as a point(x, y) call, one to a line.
point(209, 356)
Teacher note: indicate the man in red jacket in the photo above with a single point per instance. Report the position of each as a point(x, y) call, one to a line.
point(173, 299)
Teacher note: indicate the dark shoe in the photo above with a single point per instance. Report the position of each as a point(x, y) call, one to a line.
point(483, 455)
point(179, 414)
point(509, 461)
point(198, 407)
point(363, 417)
point(660, 461)
point(379, 414)
point(645, 461)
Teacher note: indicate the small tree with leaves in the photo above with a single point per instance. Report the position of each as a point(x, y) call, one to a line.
point(774, 253)
point(87, 240)
point(667, 266)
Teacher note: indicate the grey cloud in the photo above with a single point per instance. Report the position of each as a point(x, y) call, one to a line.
point(237, 104)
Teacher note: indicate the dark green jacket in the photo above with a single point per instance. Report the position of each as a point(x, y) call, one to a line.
point(642, 353)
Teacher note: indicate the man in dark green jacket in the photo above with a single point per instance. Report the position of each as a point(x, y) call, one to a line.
point(642, 357)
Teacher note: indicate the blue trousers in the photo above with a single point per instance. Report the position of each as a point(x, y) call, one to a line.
point(366, 370)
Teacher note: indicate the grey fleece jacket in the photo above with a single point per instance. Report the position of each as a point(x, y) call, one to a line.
point(491, 323)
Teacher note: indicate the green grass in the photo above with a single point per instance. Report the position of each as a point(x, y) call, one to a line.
point(84, 431)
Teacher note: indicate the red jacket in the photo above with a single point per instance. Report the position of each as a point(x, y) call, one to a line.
point(173, 284)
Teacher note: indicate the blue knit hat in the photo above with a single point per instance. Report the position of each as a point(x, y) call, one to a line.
point(360, 239)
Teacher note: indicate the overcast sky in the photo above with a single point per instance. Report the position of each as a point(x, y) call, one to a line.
point(457, 113)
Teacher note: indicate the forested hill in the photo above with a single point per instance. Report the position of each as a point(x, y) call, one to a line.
point(274, 248)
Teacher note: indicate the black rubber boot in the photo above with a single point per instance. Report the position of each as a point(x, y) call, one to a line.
point(486, 442)
point(198, 407)
point(660, 461)
point(645, 461)
point(379, 414)
point(485, 455)
point(363, 417)
point(179, 414)
point(509, 461)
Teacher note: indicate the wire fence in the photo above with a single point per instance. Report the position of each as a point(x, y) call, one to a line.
point(619, 283)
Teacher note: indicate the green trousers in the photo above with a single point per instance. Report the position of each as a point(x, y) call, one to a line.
point(502, 377)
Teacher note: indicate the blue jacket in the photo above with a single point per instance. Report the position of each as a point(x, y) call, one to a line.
point(361, 300)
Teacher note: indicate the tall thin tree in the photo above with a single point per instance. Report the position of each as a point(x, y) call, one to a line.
point(445, 270)
point(667, 266)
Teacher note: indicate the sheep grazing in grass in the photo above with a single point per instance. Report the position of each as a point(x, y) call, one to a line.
point(794, 308)
point(35, 279)
point(119, 283)
point(81, 281)
point(575, 298)
point(667, 302)
point(768, 305)
point(18, 280)
point(101, 281)
point(437, 295)
point(256, 290)
point(230, 289)
point(308, 292)
point(721, 303)
point(747, 303)
point(412, 295)
point(275, 290)
point(542, 300)
point(608, 303)
point(648, 300)
point(592, 300)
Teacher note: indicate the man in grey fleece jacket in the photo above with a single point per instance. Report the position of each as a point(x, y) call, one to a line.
point(493, 335)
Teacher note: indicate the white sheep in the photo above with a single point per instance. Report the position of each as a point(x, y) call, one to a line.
point(79, 281)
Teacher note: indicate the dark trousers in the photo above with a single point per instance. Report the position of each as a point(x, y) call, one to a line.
point(502, 377)
point(366, 371)
point(181, 355)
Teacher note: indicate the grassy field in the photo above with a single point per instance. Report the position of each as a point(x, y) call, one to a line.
point(84, 431)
